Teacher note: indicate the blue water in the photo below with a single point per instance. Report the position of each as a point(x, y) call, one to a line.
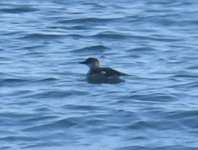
point(45, 101)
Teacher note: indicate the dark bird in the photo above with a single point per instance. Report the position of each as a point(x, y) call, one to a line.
point(97, 74)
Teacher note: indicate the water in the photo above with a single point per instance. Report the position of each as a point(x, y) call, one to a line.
point(47, 104)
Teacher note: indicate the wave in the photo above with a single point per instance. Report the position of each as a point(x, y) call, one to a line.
point(95, 48)
point(18, 10)
point(86, 20)
point(13, 82)
point(53, 124)
point(111, 35)
point(42, 36)
point(55, 94)
point(154, 97)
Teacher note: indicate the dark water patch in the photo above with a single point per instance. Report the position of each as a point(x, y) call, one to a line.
point(140, 124)
point(19, 138)
point(6, 147)
point(14, 82)
point(186, 118)
point(12, 33)
point(95, 5)
point(134, 148)
point(82, 107)
point(155, 147)
point(50, 94)
point(33, 47)
point(44, 145)
point(154, 97)
point(191, 124)
point(111, 35)
point(70, 27)
point(3, 59)
point(176, 147)
point(151, 124)
point(18, 10)
point(77, 36)
point(79, 27)
point(169, 3)
point(3, 75)
point(86, 20)
point(182, 114)
point(15, 115)
point(14, 119)
point(50, 79)
point(42, 36)
point(142, 49)
point(185, 74)
point(193, 67)
point(162, 38)
point(192, 85)
point(44, 109)
point(91, 49)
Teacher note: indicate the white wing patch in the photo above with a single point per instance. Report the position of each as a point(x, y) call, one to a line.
point(103, 72)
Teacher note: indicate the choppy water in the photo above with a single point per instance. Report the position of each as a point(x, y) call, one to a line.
point(45, 102)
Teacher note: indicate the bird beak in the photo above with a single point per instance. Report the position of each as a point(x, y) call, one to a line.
point(82, 62)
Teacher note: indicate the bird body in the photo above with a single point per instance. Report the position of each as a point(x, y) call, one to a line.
point(97, 74)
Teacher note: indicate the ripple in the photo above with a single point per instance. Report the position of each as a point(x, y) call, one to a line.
point(111, 35)
point(54, 125)
point(186, 119)
point(142, 49)
point(13, 82)
point(182, 74)
point(173, 147)
point(39, 119)
point(42, 36)
point(50, 79)
point(185, 85)
point(33, 47)
point(182, 114)
point(13, 117)
point(55, 94)
point(154, 97)
point(91, 49)
point(3, 59)
point(19, 10)
point(150, 124)
point(20, 138)
point(87, 20)
point(83, 107)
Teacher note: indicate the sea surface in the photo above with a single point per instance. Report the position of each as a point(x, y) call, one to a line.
point(45, 101)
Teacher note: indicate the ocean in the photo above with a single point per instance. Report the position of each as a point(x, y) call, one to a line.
point(46, 102)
